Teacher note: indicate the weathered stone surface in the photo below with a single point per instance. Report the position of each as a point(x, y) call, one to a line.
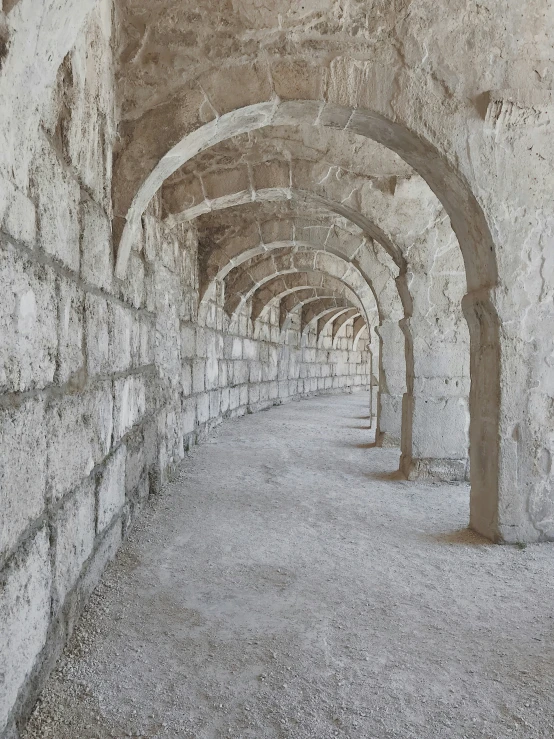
point(74, 534)
point(96, 246)
point(71, 355)
point(97, 332)
point(22, 469)
point(111, 488)
point(28, 322)
point(129, 404)
point(25, 617)
point(331, 150)
point(58, 197)
point(79, 433)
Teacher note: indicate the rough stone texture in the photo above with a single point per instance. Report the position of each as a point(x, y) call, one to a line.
point(111, 488)
point(281, 172)
point(22, 469)
point(28, 321)
point(74, 531)
point(25, 616)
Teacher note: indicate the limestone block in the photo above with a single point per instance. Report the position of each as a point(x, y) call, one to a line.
point(213, 352)
point(235, 348)
point(234, 398)
point(222, 373)
point(58, 199)
point(90, 128)
point(189, 415)
point(230, 373)
point(255, 370)
point(186, 378)
point(146, 342)
point(198, 376)
point(250, 349)
point(22, 469)
point(440, 427)
point(79, 431)
point(240, 372)
point(97, 335)
point(120, 322)
point(203, 407)
point(169, 251)
point(243, 85)
point(70, 330)
point(129, 404)
point(152, 231)
point(96, 246)
point(167, 350)
point(212, 372)
point(253, 394)
point(133, 286)
point(135, 464)
point(135, 341)
point(200, 346)
point(110, 542)
point(74, 532)
point(20, 217)
point(243, 395)
point(111, 488)
point(188, 342)
point(227, 182)
point(215, 401)
point(24, 615)
point(28, 323)
point(390, 418)
point(271, 174)
point(298, 79)
point(225, 399)
point(393, 357)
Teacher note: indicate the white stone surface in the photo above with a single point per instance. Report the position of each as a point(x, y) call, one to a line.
point(75, 532)
point(111, 488)
point(28, 323)
point(25, 617)
point(22, 469)
point(79, 434)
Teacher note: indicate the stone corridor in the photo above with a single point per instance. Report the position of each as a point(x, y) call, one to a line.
point(288, 585)
point(215, 208)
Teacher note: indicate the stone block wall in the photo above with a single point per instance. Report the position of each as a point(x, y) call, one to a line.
point(105, 384)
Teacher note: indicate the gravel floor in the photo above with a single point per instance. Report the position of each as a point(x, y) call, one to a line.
point(288, 585)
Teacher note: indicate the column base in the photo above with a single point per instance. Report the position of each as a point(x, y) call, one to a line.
point(438, 470)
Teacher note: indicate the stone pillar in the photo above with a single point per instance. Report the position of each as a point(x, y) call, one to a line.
point(435, 409)
point(392, 384)
point(373, 350)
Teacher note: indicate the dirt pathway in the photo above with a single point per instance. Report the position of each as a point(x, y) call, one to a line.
point(287, 586)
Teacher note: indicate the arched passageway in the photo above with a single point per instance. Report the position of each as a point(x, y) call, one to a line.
point(209, 211)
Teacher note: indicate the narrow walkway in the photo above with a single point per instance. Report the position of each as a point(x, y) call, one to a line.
point(288, 586)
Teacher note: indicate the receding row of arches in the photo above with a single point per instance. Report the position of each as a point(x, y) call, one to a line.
point(166, 142)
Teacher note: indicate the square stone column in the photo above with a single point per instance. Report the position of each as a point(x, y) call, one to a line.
point(392, 384)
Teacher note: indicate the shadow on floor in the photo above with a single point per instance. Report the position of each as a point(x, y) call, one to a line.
point(465, 536)
point(369, 445)
point(394, 476)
